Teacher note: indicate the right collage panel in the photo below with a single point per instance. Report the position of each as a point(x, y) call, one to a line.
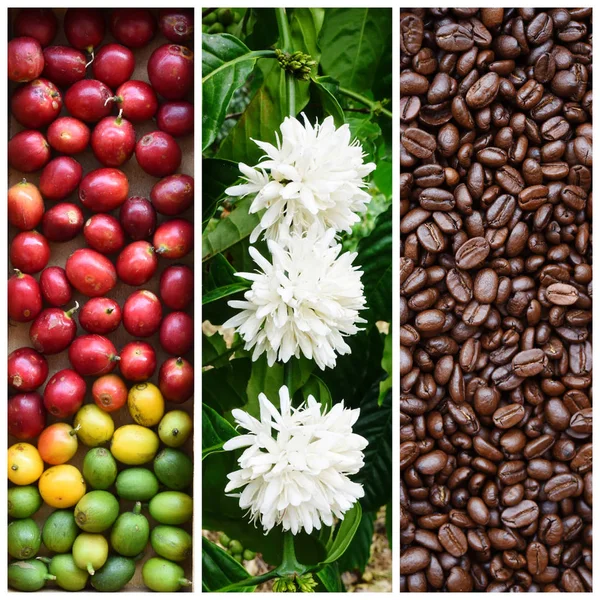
point(496, 300)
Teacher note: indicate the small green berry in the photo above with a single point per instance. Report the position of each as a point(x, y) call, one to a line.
point(210, 18)
point(225, 16)
point(216, 28)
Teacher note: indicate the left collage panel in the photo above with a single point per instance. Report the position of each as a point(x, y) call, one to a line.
point(100, 299)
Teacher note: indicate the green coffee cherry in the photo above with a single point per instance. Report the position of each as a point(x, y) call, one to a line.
point(238, 557)
point(236, 547)
point(224, 540)
point(225, 16)
point(210, 18)
point(232, 29)
point(248, 554)
point(216, 28)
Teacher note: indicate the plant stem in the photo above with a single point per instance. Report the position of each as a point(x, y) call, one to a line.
point(257, 580)
point(364, 100)
point(286, 41)
point(284, 29)
point(290, 564)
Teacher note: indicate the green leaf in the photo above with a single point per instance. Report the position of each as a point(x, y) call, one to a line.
point(214, 349)
point(224, 292)
point(220, 569)
point(240, 258)
point(219, 281)
point(221, 272)
point(215, 431)
point(386, 365)
point(328, 101)
point(305, 26)
point(344, 534)
point(355, 373)
point(269, 380)
point(226, 63)
point(375, 424)
point(217, 176)
point(375, 260)
point(215, 352)
point(330, 579)
point(353, 41)
point(358, 553)
point(299, 372)
point(388, 523)
point(216, 505)
point(326, 536)
point(382, 177)
point(264, 115)
point(317, 388)
point(263, 26)
point(225, 388)
point(384, 78)
point(266, 380)
point(229, 231)
point(367, 132)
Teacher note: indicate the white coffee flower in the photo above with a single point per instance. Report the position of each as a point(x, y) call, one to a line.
point(315, 177)
point(295, 468)
point(305, 302)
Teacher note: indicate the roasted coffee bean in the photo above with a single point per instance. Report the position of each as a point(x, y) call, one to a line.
point(453, 539)
point(562, 486)
point(537, 558)
point(454, 37)
point(431, 463)
point(529, 362)
point(414, 560)
point(496, 300)
point(562, 294)
point(521, 515)
point(472, 253)
point(483, 91)
point(418, 142)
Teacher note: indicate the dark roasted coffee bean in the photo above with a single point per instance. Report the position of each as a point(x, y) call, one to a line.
point(529, 362)
point(537, 558)
point(472, 253)
point(453, 539)
point(454, 38)
point(562, 294)
point(509, 416)
point(562, 486)
point(521, 515)
point(431, 463)
point(418, 142)
point(483, 91)
point(413, 560)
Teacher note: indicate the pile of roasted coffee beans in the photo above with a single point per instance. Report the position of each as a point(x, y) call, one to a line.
point(496, 300)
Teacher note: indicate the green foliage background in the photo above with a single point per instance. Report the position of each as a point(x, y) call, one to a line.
point(245, 96)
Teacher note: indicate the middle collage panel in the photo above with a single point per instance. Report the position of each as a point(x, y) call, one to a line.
point(297, 299)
